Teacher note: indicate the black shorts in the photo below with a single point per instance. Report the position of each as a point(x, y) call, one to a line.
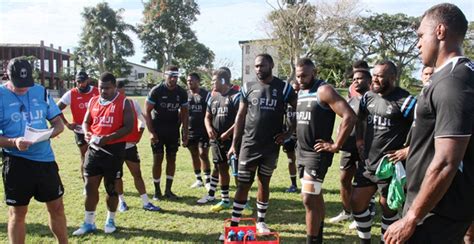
point(79, 139)
point(101, 163)
point(24, 179)
point(219, 151)
point(364, 178)
point(200, 142)
point(265, 164)
point(316, 165)
point(131, 155)
point(168, 140)
point(348, 160)
point(289, 145)
point(438, 229)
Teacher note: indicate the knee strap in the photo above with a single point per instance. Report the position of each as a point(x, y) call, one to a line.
point(311, 187)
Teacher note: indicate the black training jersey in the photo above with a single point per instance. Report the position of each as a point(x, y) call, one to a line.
point(314, 121)
point(197, 111)
point(290, 117)
point(264, 120)
point(223, 109)
point(350, 144)
point(166, 105)
point(388, 121)
point(445, 109)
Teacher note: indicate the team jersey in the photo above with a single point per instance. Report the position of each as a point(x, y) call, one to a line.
point(264, 119)
point(445, 109)
point(78, 102)
point(107, 116)
point(290, 117)
point(223, 109)
point(197, 111)
point(166, 102)
point(34, 109)
point(314, 120)
point(350, 144)
point(388, 121)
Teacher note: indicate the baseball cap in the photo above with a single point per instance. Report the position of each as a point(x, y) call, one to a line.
point(81, 76)
point(20, 72)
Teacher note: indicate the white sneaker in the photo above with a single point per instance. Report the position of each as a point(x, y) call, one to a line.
point(340, 217)
point(221, 237)
point(109, 226)
point(262, 228)
point(208, 186)
point(205, 199)
point(197, 184)
point(353, 225)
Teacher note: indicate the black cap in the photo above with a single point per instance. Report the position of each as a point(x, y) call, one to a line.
point(81, 76)
point(20, 72)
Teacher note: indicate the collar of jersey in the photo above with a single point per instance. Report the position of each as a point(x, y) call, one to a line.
point(453, 61)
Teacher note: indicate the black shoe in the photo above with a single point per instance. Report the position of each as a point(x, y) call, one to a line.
point(171, 196)
point(157, 195)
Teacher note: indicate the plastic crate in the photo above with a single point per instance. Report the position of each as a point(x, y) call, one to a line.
point(274, 237)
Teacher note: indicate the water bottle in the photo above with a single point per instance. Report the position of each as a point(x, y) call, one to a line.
point(234, 165)
point(240, 235)
point(250, 235)
point(231, 235)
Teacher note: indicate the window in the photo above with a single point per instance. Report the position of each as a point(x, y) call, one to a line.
point(141, 75)
point(247, 49)
point(247, 69)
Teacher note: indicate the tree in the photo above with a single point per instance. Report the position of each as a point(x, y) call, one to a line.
point(384, 36)
point(167, 36)
point(468, 44)
point(104, 42)
point(299, 27)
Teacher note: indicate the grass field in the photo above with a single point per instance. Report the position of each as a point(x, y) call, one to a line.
point(183, 220)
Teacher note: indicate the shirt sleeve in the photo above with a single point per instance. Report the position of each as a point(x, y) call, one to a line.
point(408, 107)
point(66, 98)
point(141, 119)
point(152, 97)
point(244, 93)
point(452, 101)
point(53, 109)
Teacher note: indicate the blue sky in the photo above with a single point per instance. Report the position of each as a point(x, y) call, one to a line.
point(221, 25)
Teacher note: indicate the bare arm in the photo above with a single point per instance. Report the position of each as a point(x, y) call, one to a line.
point(184, 112)
point(62, 106)
point(149, 122)
point(330, 97)
point(86, 125)
point(208, 123)
point(57, 125)
point(361, 127)
point(238, 128)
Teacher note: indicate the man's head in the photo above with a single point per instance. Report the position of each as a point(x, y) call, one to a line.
point(442, 29)
point(171, 74)
point(107, 86)
point(220, 80)
point(20, 74)
point(226, 69)
point(121, 87)
point(194, 81)
point(426, 73)
point(82, 81)
point(383, 77)
point(305, 73)
point(263, 66)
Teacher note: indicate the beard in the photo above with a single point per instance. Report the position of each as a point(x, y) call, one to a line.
point(84, 89)
point(263, 75)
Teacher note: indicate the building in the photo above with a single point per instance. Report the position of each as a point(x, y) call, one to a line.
point(252, 48)
point(136, 83)
point(49, 63)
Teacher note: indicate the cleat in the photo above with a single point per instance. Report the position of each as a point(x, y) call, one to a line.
point(262, 228)
point(150, 207)
point(197, 184)
point(85, 229)
point(353, 225)
point(340, 217)
point(220, 206)
point(292, 189)
point(171, 196)
point(247, 211)
point(122, 207)
point(221, 237)
point(206, 199)
point(109, 226)
point(208, 186)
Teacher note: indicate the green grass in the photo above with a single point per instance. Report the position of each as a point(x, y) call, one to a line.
point(183, 220)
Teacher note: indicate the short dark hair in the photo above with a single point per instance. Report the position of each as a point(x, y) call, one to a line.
point(172, 68)
point(222, 74)
point(391, 66)
point(266, 56)
point(107, 76)
point(120, 84)
point(226, 69)
point(305, 62)
point(361, 66)
point(449, 15)
point(195, 76)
